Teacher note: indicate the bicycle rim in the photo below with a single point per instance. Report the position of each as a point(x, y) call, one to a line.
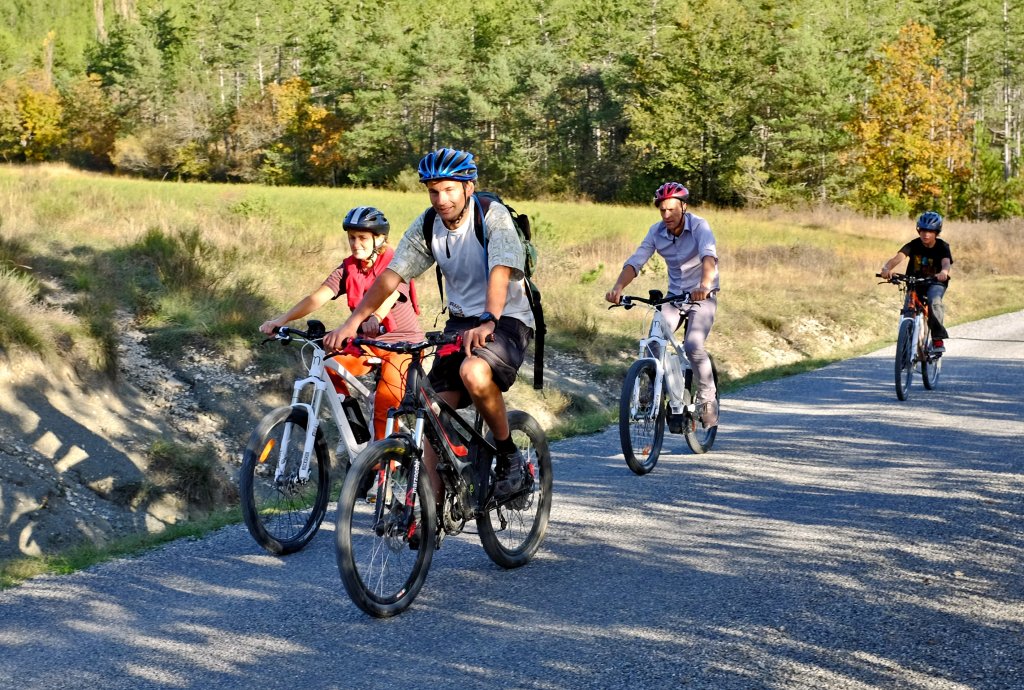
point(931, 369)
point(512, 532)
point(382, 556)
point(283, 511)
point(641, 417)
point(698, 438)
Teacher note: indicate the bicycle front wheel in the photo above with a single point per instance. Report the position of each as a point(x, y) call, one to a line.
point(904, 359)
point(698, 437)
point(512, 532)
point(641, 417)
point(383, 549)
point(282, 509)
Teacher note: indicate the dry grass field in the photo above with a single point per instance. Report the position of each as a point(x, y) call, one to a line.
point(210, 262)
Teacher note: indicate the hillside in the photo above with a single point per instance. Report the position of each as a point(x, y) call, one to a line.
point(131, 375)
point(75, 456)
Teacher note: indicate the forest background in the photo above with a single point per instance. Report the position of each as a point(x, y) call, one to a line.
point(889, 107)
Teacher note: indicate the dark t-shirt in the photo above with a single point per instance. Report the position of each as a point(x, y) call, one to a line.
point(925, 262)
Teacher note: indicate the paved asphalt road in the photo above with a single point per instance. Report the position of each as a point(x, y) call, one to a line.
point(834, 538)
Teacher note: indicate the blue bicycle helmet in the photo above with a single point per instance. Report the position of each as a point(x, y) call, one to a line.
point(447, 164)
point(930, 220)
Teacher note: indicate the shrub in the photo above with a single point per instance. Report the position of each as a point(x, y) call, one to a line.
point(190, 471)
point(20, 314)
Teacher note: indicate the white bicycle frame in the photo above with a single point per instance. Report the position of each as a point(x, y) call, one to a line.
point(662, 334)
point(918, 339)
point(322, 386)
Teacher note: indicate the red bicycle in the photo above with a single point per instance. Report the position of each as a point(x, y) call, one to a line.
point(914, 348)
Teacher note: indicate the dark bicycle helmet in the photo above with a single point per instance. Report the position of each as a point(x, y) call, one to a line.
point(671, 190)
point(447, 164)
point(930, 220)
point(367, 219)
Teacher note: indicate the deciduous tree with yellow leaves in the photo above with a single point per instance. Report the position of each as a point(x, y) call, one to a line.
point(911, 133)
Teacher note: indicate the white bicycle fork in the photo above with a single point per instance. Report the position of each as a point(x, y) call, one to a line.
point(321, 384)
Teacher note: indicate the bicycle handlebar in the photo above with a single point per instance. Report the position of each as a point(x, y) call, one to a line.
point(316, 331)
point(910, 281)
point(432, 339)
point(657, 298)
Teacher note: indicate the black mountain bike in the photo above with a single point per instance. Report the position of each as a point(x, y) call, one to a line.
point(388, 527)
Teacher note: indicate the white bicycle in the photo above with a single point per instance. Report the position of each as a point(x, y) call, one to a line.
point(660, 383)
point(285, 480)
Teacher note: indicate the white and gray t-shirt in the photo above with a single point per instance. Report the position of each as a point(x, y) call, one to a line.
point(465, 263)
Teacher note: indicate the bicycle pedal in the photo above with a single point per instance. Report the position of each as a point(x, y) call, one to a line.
point(676, 423)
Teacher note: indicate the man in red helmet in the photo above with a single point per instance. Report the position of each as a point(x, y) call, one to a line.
point(687, 245)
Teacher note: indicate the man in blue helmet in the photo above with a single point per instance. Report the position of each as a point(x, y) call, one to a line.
point(928, 257)
point(486, 296)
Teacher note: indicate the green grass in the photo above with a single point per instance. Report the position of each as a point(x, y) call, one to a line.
point(16, 571)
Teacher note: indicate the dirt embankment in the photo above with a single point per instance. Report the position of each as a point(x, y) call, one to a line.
point(74, 454)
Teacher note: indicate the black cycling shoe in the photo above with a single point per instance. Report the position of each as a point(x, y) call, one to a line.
point(511, 475)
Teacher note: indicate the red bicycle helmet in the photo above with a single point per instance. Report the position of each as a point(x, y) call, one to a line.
point(671, 190)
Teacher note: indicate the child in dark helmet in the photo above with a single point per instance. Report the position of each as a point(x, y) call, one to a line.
point(927, 257)
point(393, 320)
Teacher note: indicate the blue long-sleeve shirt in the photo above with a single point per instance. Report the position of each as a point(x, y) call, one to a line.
point(684, 255)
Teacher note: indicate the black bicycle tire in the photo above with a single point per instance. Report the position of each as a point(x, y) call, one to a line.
point(521, 424)
point(398, 449)
point(700, 440)
point(904, 362)
point(640, 463)
point(251, 462)
point(931, 365)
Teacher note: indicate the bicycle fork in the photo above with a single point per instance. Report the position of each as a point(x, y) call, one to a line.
point(654, 350)
point(919, 351)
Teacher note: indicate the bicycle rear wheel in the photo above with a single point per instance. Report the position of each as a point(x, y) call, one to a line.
point(383, 553)
point(931, 364)
point(904, 359)
point(641, 417)
point(283, 511)
point(699, 438)
point(512, 532)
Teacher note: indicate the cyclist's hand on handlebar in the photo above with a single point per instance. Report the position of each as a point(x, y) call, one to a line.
point(269, 327)
point(478, 337)
point(698, 293)
point(370, 328)
point(885, 273)
point(614, 296)
point(337, 339)
point(942, 276)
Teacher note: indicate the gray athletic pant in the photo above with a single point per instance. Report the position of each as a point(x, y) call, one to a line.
point(701, 319)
